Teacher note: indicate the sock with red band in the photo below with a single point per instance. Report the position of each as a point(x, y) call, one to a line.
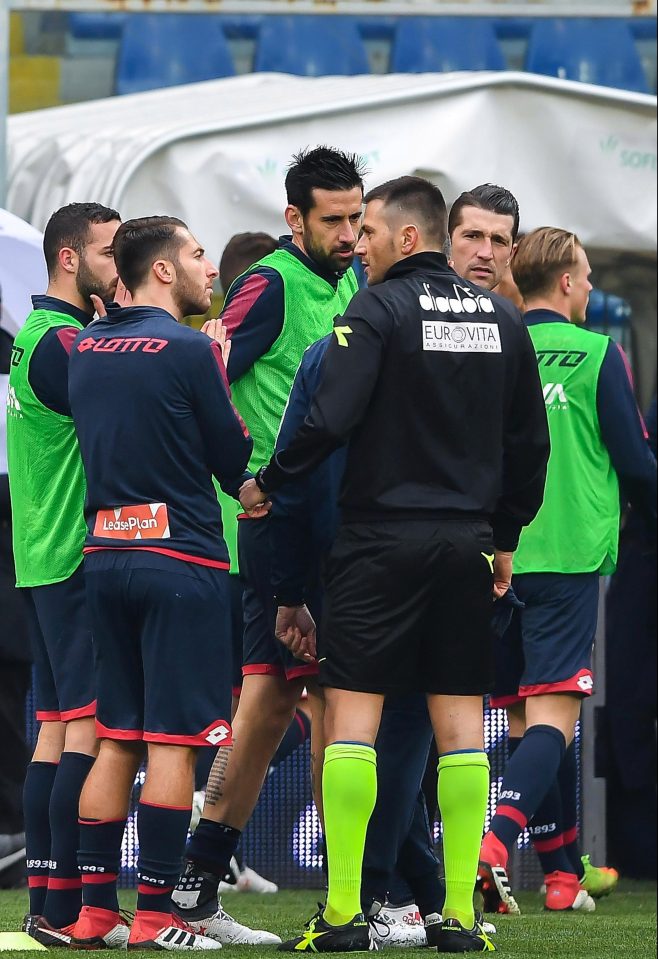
point(162, 832)
point(567, 779)
point(99, 861)
point(547, 831)
point(528, 776)
point(39, 780)
point(64, 896)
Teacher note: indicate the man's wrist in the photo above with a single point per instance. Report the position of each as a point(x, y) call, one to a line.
point(259, 479)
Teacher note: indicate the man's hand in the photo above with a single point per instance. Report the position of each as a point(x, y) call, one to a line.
point(295, 628)
point(253, 500)
point(216, 330)
point(121, 296)
point(502, 570)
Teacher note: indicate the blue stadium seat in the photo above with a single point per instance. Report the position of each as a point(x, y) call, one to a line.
point(165, 50)
point(592, 51)
point(311, 46)
point(97, 26)
point(442, 44)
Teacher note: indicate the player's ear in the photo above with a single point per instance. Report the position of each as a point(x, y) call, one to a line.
point(294, 219)
point(409, 237)
point(68, 260)
point(164, 271)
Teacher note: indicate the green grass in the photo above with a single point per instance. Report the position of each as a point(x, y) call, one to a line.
point(623, 927)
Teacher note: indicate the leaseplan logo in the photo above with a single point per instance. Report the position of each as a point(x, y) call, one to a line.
point(147, 521)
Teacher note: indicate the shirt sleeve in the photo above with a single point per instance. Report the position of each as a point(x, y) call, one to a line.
point(351, 369)
point(624, 434)
point(49, 369)
point(227, 443)
point(253, 315)
point(526, 448)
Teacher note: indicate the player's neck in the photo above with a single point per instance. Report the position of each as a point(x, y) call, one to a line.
point(161, 299)
point(68, 293)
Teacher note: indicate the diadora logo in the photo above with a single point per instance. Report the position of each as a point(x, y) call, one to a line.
point(147, 521)
point(555, 397)
point(122, 344)
point(220, 735)
point(586, 683)
point(465, 300)
point(13, 406)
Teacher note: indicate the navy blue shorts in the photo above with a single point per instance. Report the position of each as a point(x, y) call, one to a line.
point(548, 645)
point(237, 631)
point(263, 653)
point(60, 635)
point(162, 648)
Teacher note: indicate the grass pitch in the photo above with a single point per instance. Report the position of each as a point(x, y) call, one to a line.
point(623, 926)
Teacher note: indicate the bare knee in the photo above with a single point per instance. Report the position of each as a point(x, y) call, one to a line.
point(50, 742)
point(81, 736)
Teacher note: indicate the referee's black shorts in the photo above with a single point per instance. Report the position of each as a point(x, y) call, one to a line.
point(408, 607)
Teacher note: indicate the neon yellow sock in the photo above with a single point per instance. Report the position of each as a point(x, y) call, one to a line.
point(349, 791)
point(463, 793)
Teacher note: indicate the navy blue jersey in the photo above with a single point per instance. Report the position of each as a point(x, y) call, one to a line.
point(155, 422)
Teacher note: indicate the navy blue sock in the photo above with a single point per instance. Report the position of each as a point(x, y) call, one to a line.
point(38, 786)
point(547, 830)
point(212, 846)
point(64, 883)
point(528, 776)
point(429, 893)
point(161, 831)
point(567, 778)
point(99, 861)
point(297, 733)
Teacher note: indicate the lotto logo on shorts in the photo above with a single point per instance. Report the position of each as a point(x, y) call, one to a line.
point(147, 521)
point(220, 735)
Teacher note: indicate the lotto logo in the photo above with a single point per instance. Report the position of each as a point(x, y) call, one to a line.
point(122, 344)
point(220, 735)
point(586, 683)
point(147, 521)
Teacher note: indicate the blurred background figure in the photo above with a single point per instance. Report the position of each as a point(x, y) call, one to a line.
point(15, 667)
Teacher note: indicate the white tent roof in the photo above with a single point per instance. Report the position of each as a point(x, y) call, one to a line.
point(215, 154)
point(22, 269)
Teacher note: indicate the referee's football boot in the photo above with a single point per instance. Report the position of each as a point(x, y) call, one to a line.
point(451, 936)
point(195, 896)
point(319, 936)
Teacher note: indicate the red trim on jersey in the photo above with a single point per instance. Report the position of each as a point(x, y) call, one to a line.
point(500, 702)
point(311, 669)
point(185, 557)
point(262, 669)
point(219, 359)
point(56, 883)
point(37, 882)
point(66, 335)
point(582, 683)
point(67, 715)
point(104, 732)
point(570, 835)
point(164, 805)
point(243, 300)
point(511, 812)
point(98, 878)
point(548, 845)
point(48, 716)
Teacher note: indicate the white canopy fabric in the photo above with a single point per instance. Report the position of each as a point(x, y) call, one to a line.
point(215, 154)
point(22, 269)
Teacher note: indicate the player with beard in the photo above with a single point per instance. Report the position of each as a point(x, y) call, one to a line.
point(155, 423)
point(281, 305)
point(47, 492)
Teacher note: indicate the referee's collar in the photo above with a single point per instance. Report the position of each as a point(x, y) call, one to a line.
point(419, 262)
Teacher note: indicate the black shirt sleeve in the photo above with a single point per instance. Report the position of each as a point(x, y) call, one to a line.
point(350, 372)
point(49, 369)
point(624, 436)
point(526, 448)
point(226, 440)
point(253, 315)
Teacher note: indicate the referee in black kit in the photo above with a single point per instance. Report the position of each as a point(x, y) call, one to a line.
point(433, 384)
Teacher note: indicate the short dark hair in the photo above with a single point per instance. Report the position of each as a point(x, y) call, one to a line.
point(139, 243)
point(413, 194)
point(486, 196)
point(541, 259)
point(322, 168)
point(70, 227)
point(241, 251)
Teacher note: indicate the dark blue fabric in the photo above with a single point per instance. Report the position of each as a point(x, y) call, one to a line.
point(49, 367)
point(154, 421)
point(39, 781)
point(100, 851)
point(162, 832)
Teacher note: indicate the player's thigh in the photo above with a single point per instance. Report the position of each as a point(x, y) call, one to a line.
point(262, 653)
point(456, 654)
point(186, 654)
point(508, 664)
point(559, 626)
point(64, 620)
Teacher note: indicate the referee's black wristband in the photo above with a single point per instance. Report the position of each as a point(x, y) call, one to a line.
point(259, 479)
